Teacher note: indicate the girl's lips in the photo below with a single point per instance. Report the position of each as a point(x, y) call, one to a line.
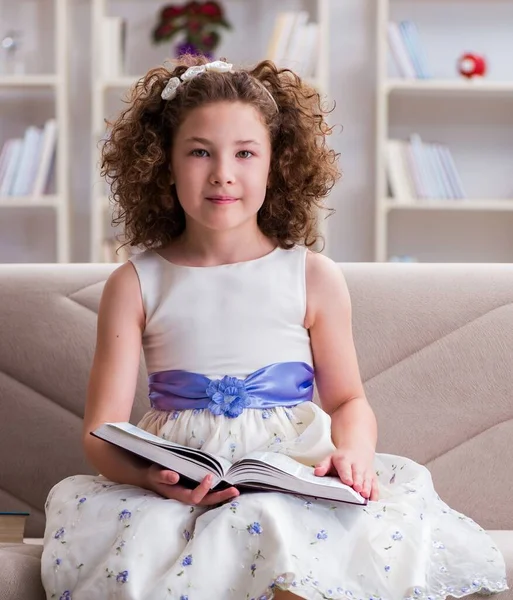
point(222, 199)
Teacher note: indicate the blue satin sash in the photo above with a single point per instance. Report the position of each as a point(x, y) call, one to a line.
point(280, 384)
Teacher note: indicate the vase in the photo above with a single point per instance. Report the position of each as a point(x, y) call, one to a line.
point(189, 48)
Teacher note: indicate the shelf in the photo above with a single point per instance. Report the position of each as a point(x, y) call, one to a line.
point(17, 81)
point(29, 201)
point(442, 86)
point(477, 205)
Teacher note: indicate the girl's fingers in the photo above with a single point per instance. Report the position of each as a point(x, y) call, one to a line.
point(357, 478)
point(374, 495)
point(323, 467)
point(344, 471)
point(201, 491)
point(219, 497)
point(367, 486)
point(169, 477)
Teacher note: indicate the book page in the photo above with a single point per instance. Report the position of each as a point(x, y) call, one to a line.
point(283, 471)
point(199, 456)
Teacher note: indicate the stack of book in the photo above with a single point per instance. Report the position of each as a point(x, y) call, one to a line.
point(406, 50)
point(26, 163)
point(12, 527)
point(294, 43)
point(419, 170)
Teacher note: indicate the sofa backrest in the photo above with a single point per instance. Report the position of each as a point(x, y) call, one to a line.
point(434, 344)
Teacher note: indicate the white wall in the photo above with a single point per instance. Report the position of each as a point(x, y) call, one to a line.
point(353, 88)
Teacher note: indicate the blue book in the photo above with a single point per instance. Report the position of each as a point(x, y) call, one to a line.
point(411, 37)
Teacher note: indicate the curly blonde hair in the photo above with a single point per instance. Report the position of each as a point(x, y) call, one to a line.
point(135, 156)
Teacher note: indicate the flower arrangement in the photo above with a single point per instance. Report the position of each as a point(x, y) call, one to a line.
point(198, 22)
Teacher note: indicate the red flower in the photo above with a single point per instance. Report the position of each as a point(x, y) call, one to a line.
point(164, 30)
point(194, 25)
point(212, 9)
point(170, 12)
point(193, 8)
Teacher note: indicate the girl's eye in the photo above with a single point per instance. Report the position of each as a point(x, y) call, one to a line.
point(200, 153)
point(246, 154)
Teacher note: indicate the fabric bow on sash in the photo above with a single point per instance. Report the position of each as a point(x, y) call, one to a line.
point(280, 384)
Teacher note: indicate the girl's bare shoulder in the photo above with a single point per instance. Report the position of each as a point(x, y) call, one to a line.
point(122, 293)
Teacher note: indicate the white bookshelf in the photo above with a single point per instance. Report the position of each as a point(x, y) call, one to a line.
point(102, 88)
point(437, 91)
point(57, 84)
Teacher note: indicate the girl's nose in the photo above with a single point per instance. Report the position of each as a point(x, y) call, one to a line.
point(222, 174)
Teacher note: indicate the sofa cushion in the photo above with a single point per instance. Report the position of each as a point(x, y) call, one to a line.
point(20, 572)
point(20, 567)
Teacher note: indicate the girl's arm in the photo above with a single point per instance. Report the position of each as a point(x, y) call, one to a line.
point(111, 392)
point(113, 376)
point(337, 375)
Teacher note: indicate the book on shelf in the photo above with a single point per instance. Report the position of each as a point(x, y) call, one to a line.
point(294, 43)
point(406, 50)
point(419, 170)
point(46, 158)
point(13, 149)
point(26, 163)
point(24, 177)
point(12, 527)
point(258, 471)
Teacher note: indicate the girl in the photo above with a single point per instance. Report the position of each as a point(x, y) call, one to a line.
point(218, 173)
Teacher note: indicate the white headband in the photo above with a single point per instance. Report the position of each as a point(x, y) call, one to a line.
point(219, 66)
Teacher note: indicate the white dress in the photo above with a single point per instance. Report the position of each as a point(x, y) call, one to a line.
point(107, 540)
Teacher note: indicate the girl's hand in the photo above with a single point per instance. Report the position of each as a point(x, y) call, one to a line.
point(354, 466)
point(165, 482)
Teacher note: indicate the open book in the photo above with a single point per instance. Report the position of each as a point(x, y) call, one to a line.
point(258, 471)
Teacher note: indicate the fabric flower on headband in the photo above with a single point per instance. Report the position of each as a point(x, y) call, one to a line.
point(219, 66)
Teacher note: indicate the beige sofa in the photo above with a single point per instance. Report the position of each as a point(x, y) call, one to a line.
point(435, 344)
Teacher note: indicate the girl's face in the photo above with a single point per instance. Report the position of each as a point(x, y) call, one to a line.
point(220, 165)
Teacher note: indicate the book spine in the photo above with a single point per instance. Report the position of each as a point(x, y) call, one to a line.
point(404, 151)
point(438, 185)
point(397, 177)
point(408, 42)
point(446, 186)
point(399, 52)
point(414, 171)
point(4, 159)
point(413, 32)
point(455, 176)
point(30, 148)
point(12, 166)
point(420, 165)
point(48, 146)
